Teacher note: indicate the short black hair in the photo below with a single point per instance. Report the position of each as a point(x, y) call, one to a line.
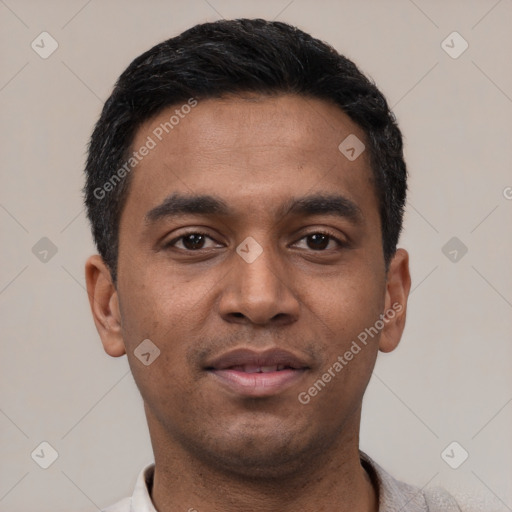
point(212, 60)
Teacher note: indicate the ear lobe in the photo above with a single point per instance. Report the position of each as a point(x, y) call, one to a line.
point(104, 303)
point(398, 285)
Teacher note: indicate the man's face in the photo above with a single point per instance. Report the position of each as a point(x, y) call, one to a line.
point(196, 285)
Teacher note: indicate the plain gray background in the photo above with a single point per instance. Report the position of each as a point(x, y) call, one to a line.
point(450, 378)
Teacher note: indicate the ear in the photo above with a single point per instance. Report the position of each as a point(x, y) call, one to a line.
point(104, 305)
point(398, 284)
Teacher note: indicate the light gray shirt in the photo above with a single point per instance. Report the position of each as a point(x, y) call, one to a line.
point(394, 496)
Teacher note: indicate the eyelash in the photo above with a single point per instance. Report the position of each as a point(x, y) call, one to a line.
point(171, 244)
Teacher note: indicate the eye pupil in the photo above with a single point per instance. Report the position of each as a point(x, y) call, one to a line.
point(320, 241)
point(196, 241)
point(193, 241)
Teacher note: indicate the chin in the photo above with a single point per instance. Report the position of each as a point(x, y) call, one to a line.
point(261, 463)
point(260, 451)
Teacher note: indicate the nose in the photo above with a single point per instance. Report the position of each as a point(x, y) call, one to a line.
point(259, 291)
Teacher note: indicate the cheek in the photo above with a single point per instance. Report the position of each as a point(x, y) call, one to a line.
point(348, 352)
point(349, 300)
point(152, 304)
point(347, 305)
point(165, 384)
point(148, 314)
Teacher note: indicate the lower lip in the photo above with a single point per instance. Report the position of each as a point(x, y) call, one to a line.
point(258, 384)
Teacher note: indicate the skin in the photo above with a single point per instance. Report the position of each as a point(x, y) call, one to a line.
point(270, 453)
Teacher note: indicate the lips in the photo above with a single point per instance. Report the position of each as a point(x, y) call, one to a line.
point(257, 374)
point(250, 360)
point(251, 368)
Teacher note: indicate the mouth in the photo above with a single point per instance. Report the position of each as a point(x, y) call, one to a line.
point(257, 374)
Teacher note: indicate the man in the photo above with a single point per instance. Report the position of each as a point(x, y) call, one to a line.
point(245, 186)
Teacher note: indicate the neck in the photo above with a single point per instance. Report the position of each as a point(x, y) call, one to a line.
point(331, 481)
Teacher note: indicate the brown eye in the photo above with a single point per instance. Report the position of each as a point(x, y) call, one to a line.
point(320, 241)
point(193, 241)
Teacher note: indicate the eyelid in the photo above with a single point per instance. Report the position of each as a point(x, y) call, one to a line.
point(327, 232)
point(318, 231)
point(176, 239)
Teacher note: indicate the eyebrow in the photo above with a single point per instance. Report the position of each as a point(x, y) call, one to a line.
point(178, 204)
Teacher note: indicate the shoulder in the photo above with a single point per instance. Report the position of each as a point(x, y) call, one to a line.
point(439, 499)
point(397, 495)
point(140, 501)
point(121, 506)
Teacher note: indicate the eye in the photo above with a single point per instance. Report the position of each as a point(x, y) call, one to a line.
point(319, 241)
point(192, 241)
point(195, 241)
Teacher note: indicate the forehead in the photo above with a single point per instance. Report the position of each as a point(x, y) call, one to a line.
point(247, 149)
point(252, 120)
